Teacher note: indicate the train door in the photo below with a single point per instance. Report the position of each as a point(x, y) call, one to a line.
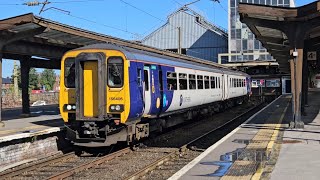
point(225, 92)
point(147, 91)
point(90, 86)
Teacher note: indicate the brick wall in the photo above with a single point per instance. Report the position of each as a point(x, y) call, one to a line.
point(29, 148)
point(9, 100)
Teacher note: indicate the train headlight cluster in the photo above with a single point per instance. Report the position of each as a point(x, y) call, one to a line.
point(116, 108)
point(69, 107)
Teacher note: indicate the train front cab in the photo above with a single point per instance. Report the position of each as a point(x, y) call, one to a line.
point(94, 96)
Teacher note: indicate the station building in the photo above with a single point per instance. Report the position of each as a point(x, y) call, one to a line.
point(247, 54)
point(189, 32)
point(243, 46)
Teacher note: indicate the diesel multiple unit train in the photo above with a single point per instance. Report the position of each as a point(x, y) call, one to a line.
point(111, 93)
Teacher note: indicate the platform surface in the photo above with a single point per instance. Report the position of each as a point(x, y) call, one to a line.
point(42, 120)
point(300, 159)
point(245, 152)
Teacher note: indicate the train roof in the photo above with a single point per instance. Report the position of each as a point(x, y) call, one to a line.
point(135, 54)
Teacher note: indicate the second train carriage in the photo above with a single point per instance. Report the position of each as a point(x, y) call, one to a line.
point(111, 93)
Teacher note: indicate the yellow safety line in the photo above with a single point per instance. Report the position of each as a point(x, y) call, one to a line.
point(274, 136)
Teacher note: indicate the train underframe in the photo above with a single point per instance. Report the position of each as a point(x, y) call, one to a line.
point(107, 132)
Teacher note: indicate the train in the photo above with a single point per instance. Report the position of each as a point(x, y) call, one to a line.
point(111, 93)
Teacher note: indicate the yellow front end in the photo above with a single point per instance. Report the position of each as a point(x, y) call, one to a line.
point(81, 95)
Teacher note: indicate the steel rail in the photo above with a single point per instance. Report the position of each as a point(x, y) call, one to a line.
point(183, 148)
point(88, 165)
point(40, 164)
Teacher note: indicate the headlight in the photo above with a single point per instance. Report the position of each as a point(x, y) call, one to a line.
point(69, 107)
point(116, 108)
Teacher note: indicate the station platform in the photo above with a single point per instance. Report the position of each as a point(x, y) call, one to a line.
point(42, 120)
point(264, 147)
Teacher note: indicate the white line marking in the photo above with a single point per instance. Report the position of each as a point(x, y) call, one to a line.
point(187, 167)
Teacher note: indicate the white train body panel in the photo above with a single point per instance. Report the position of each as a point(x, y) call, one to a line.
point(195, 97)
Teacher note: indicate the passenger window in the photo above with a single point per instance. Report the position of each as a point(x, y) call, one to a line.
point(213, 82)
point(139, 77)
point(69, 73)
point(183, 81)
point(235, 82)
point(115, 72)
point(192, 81)
point(206, 82)
point(200, 81)
point(171, 81)
point(146, 80)
point(219, 82)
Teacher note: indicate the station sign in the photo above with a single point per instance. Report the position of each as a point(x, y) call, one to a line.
point(312, 55)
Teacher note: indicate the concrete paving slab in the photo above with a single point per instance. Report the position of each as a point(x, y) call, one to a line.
point(301, 160)
point(217, 159)
point(45, 120)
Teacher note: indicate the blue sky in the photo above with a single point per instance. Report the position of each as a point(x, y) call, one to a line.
point(116, 17)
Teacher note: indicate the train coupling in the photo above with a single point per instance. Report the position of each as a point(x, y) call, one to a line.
point(90, 128)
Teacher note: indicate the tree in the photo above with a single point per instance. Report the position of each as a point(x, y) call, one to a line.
point(48, 79)
point(33, 78)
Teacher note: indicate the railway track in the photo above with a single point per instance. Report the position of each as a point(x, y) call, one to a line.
point(128, 164)
point(66, 165)
point(167, 165)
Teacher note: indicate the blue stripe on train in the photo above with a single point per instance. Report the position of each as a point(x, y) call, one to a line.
point(136, 91)
point(160, 102)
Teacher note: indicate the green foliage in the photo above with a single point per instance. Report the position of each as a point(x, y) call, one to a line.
point(33, 78)
point(48, 79)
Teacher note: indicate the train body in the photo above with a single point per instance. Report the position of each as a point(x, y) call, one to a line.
point(111, 93)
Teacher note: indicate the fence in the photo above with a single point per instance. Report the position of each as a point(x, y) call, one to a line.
point(10, 100)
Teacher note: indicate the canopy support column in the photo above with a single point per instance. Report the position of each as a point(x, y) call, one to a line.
point(25, 68)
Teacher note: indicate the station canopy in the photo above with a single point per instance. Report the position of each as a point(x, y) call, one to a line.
point(281, 29)
point(29, 35)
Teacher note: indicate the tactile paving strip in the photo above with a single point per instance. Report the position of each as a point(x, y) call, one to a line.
point(258, 150)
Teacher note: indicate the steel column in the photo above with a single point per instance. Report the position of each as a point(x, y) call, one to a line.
point(25, 68)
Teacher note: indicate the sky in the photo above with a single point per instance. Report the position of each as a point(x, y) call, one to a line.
point(126, 19)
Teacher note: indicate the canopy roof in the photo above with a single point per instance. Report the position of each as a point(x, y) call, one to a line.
point(29, 35)
point(279, 28)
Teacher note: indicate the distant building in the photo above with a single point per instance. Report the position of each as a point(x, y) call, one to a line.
point(197, 36)
point(241, 39)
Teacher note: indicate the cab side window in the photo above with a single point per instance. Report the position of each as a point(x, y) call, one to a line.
point(115, 72)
